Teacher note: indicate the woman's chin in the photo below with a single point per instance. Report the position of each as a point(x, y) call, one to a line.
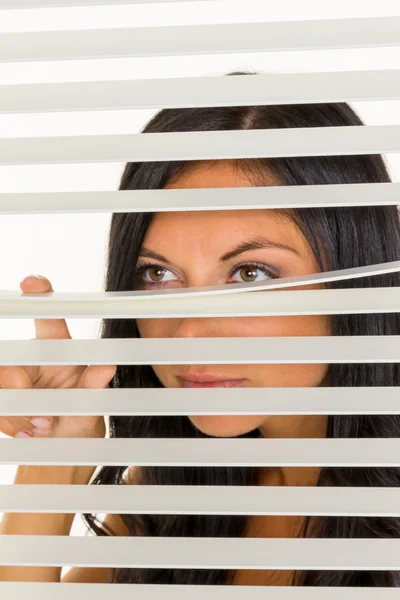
point(221, 426)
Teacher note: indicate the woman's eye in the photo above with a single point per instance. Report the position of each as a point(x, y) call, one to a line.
point(245, 273)
point(154, 274)
point(251, 273)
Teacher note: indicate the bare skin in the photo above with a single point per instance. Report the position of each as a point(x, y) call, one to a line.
point(79, 376)
point(192, 244)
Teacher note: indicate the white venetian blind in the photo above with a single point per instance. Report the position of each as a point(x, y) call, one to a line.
point(216, 301)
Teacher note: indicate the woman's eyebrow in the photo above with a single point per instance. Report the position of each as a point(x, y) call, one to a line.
point(146, 252)
point(254, 244)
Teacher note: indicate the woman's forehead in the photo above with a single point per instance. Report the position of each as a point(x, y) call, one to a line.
point(240, 219)
point(218, 173)
point(219, 230)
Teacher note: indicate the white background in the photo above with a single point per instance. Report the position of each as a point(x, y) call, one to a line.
point(70, 249)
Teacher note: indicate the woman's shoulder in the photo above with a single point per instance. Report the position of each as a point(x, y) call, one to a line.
point(97, 574)
point(116, 524)
point(113, 522)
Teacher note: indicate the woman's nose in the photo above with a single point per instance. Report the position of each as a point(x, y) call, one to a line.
point(199, 327)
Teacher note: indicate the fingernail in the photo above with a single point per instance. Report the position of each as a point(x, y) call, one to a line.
point(32, 277)
point(39, 431)
point(41, 422)
point(23, 434)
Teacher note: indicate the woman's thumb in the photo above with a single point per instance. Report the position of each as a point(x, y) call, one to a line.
point(97, 376)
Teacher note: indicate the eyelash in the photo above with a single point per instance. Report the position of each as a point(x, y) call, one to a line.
point(261, 266)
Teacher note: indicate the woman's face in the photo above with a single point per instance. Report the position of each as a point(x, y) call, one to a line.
point(200, 248)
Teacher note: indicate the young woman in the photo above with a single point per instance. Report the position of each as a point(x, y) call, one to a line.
point(184, 249)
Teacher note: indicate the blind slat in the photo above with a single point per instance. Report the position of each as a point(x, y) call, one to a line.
point(200, 39)
point(198, 145)
point(203, 291)
point(6, 4)
point(205, 350)
point(202, 401)
point(165, 200)
point(109, 591)
point(278, 303)
point(262, 452)
point(205, 500)
point(185, 92)
point(202, 553)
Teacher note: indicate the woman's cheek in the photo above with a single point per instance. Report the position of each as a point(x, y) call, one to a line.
point(267, 375)
point(154, 328)
point(242, 326)
point(307, 325)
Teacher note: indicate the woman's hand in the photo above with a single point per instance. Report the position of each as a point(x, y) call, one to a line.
point(53, 377)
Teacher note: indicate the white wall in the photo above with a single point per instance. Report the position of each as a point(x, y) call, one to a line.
point(70, 249)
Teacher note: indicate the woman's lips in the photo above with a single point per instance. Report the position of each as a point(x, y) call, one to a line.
point(186, 383)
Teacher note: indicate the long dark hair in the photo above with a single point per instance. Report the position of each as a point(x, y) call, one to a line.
point(340, 238)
